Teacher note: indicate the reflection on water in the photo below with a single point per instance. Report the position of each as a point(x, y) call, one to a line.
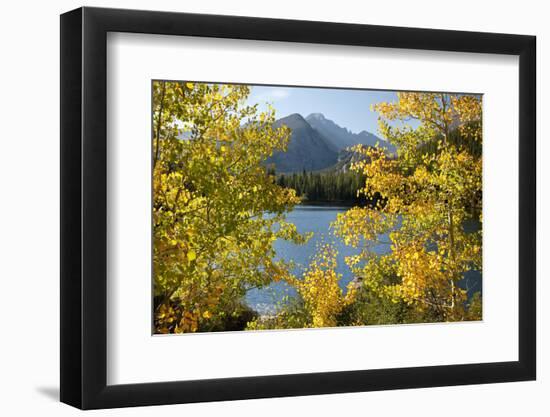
point(317, 219)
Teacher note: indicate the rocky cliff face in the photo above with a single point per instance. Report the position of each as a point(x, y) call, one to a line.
point(342, 138)
point(307, 149)
point(317, 143)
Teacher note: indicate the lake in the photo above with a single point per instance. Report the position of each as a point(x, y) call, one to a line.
point(317, 219)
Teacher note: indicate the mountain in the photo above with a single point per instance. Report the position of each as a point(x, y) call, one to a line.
point(341, 138)
point(307, 149)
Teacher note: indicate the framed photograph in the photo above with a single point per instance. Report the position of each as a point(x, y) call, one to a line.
point(257, 208)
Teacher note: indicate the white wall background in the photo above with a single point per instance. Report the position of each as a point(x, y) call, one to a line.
point(29, 225)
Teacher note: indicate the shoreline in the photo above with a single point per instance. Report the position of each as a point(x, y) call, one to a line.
point(343, 204)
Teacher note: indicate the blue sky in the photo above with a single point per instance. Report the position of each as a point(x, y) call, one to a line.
point(347, 108)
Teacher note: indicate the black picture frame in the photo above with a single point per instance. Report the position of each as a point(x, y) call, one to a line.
point(84, 207)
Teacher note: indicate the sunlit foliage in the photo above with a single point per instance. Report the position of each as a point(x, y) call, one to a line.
point(429, 191)
point(320, 290)
point(218, 210)
point(319, 300)
point(212, 238)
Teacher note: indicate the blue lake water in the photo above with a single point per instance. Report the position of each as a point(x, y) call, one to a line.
point(317, 219)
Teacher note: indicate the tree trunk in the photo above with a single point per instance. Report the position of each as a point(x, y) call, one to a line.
point(452, 256)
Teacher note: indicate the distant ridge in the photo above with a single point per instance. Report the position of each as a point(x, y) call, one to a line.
point(307, 149)
point(317, 143)
point(341, 138)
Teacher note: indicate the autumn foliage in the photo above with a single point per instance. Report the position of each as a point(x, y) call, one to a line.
point(211, 240)
point(429, 191)
point(217, 212)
